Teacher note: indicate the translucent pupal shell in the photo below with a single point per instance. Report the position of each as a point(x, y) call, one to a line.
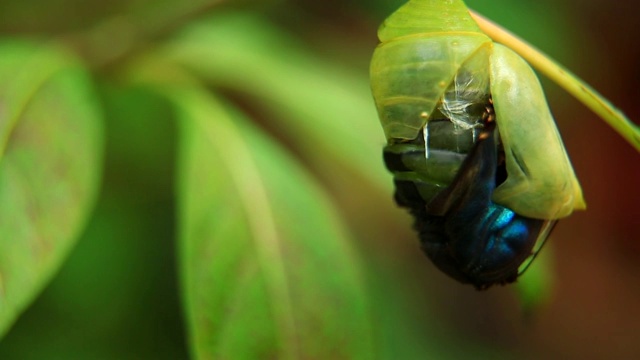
point(418, 58)
point(428, 46)
point(541, 182)
point(427, 17)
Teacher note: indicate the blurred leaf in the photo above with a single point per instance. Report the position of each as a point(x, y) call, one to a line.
point(268, 271)
point(326, 111)
point(116, 296)
point(411, 321)
point(535, 286)
point(50, 138)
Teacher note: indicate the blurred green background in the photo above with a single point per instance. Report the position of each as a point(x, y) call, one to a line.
point(116, 297)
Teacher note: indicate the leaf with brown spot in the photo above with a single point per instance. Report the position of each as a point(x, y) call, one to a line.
point(50, 148)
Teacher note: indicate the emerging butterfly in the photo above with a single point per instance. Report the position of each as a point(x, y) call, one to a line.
point(472, 145)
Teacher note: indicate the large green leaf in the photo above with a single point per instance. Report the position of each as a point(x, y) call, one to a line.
point(50, 143)
point(267, 269)
point(325, 110)
point(116, 295)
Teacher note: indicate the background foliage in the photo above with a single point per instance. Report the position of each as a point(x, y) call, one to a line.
point(287, 81)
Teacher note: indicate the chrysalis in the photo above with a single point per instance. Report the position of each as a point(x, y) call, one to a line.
point(473, 148)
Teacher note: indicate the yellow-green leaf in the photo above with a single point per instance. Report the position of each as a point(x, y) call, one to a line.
point(267, 268)
point(50, 147)
point(325, 111)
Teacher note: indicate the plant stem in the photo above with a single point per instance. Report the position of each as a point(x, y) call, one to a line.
point(565, 79)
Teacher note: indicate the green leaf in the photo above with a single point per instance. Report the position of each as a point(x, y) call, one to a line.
point(324, 110)
point(535, 286)
point(50, 143)
point(267, 268)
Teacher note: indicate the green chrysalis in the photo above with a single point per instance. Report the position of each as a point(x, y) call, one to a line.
point(472, 145)
point(425, 46)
